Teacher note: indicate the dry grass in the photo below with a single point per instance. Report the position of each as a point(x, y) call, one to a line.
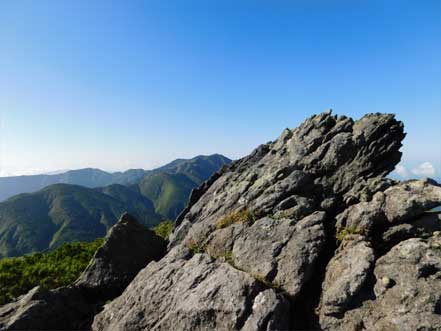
point(241, 216)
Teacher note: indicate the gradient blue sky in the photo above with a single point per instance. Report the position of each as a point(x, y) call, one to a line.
point(124, 84)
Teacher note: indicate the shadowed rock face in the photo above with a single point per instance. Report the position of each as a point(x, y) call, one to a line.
point(128, 248)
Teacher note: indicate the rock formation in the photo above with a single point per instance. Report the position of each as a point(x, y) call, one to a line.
point(128, 248)
point(305, 233)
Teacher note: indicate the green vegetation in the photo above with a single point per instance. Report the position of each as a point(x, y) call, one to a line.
point(194, 247)
point(169, 186)
point(197, 169)
point(169, 192)
point(164, 229)
point(60, 213)
point(63, 213)
point(340, 235)
point(244, 216)
point(50, 270)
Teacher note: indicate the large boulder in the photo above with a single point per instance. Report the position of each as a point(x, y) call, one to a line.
point(403, 202)
point(346, 274)
point(184, 292)
point(128, 248)
point(64, 308)
point(279, 251)
point(266, 223)
point(405, 292)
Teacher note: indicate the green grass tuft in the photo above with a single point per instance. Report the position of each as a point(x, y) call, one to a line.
point(340, 235)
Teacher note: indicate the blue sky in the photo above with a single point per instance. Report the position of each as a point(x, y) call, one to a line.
point(124, 84)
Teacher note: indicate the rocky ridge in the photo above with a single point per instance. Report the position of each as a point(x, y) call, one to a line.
point(128, 247)
point(305, 233)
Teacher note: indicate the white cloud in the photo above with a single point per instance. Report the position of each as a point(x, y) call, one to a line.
point(425, 169)
point(402, 171)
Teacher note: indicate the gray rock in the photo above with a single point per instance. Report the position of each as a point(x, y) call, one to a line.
point(423, 227)
point(410, 199)
point(407, 291)
point(269, 312)
point(346, 274)
point(399, 203)
point(252, 247)
point(280, 251)
point(321, 159)
point(196, 294)
point(129, 247)
point(61, 309)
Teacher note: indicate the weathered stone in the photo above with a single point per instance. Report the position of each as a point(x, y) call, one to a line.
point(255, 246)
point(280, 251)
point(62, 309)
point(129, 247)
point(319, 160)
point(423, 227)
point(410, 299)
point(196, 294)
point(411, 199)
point(399, 203)
point(269, 312)
point(346, 274)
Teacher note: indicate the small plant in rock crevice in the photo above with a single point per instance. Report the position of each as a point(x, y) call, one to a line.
point(241, 216)
point(268, 284)
point(194, 247)
point(348, 230)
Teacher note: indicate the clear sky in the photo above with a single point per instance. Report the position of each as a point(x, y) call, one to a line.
point(128, 84)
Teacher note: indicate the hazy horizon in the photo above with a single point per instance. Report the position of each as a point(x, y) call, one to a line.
point(138, 84)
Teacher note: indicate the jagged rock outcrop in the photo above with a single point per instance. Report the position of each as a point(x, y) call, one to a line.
point(306, 169)
point(272, 222)
point(398, 290)
point(305, 233)
point(128, 248)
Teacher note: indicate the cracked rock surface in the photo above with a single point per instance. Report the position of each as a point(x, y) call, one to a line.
point(190, 294)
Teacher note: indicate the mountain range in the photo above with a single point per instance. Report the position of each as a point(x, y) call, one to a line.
point(197, 169)
point(74, 211)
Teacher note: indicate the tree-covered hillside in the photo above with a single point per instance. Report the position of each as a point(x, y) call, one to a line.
point(60, 213)
point(169, 186)
point(198, 169)
point(66, 213)
point(51, 270)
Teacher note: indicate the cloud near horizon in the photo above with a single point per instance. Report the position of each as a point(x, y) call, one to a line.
point(425, 169)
